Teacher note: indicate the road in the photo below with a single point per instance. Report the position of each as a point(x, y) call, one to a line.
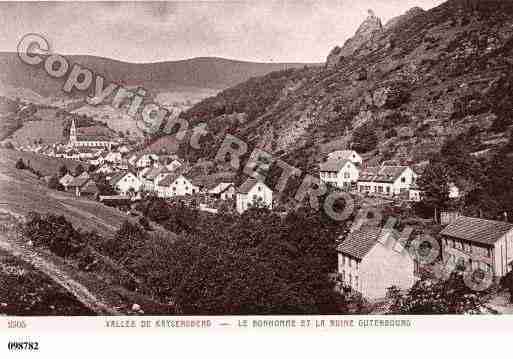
point(58, 275)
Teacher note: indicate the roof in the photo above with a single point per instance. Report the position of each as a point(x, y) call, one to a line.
point(248, 185)
point(67, 178)
point(221, 188)
point(154, 172)
point(118, 176)
point(368, 174)
point(343, 154)
point(477, 230)
point(333, 166)
point(389, 174)
point(93, 133)
point(360, 242)
point(386, 174)
point(90, 187)
point(78, 181)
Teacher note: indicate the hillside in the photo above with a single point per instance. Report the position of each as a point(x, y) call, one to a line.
point(185, 75)
point(421, 79)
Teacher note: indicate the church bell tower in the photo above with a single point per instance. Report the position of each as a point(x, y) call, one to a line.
point(73, 133)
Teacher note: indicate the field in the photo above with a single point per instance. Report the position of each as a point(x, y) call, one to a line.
point(48, 129)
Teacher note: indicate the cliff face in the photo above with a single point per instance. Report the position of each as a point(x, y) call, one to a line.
point(365, 33)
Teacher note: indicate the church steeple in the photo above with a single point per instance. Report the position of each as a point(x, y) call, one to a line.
point(73, 132)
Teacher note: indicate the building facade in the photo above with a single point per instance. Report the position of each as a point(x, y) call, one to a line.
point(253, 191)
point(340, 174)
point(479, 244)
point(370, 266)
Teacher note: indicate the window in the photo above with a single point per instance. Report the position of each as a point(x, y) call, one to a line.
point(349, 262)
point(403, 179)
point(259, 189)
point(356, 282)
point(343, 276)
point(357, 265)
point(343, 261)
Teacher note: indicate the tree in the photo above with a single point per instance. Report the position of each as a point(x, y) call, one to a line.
point(79, 170)
point(63, 170)
point(53, 183)
point(364, 139)
point(451, 296)
point(434, 185)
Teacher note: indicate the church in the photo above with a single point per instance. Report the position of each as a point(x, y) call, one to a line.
point(93, 136)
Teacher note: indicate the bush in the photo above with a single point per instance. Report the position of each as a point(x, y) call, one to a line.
point(54, 183)
point(20, 164)
point(55, 233)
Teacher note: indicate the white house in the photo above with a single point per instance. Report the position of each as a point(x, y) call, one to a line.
point(341, 174)
point(105, 169)
point(125, 182)
point(387, 180)
point(124, 149)
point(143, 160)
point(175, 185)
point(370, 266)
point(174, 165)
point(224, 191)
point(113, 157)
point(479, 243)
point(151, 176)
point(253, 191)
point(348, 155)
point(415, 194)
point(97, 161)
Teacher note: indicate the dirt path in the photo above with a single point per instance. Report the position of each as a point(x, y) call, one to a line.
point(59, 276)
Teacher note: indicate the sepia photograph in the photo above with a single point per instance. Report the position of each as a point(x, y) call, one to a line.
point(171, 164)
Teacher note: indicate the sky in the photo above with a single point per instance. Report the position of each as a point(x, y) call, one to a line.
point(262, 31)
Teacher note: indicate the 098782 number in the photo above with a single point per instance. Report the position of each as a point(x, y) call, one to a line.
point(15, 346)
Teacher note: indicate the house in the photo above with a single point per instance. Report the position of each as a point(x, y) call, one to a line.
point(370, 266)
point(346, 155)
point(93, 136)
point(479, 243)
point(151, 176)
point(113, 157)
point(454, 191)
point(125, 182)
point(97, 161)
point(77, 183)
point(123, 149)
point(387, 180)
point(89, 189)
point(143, 160)
point(175, 185)
point(223, 191)
point(66, 180)
point(415, 194)
point(253, 191)
point(341, 174)
point(174, 165)
point(105, 169)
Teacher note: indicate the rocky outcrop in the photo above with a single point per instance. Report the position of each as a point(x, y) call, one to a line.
point(366, 32)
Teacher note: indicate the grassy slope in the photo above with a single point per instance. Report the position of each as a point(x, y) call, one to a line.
point(21, 192)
